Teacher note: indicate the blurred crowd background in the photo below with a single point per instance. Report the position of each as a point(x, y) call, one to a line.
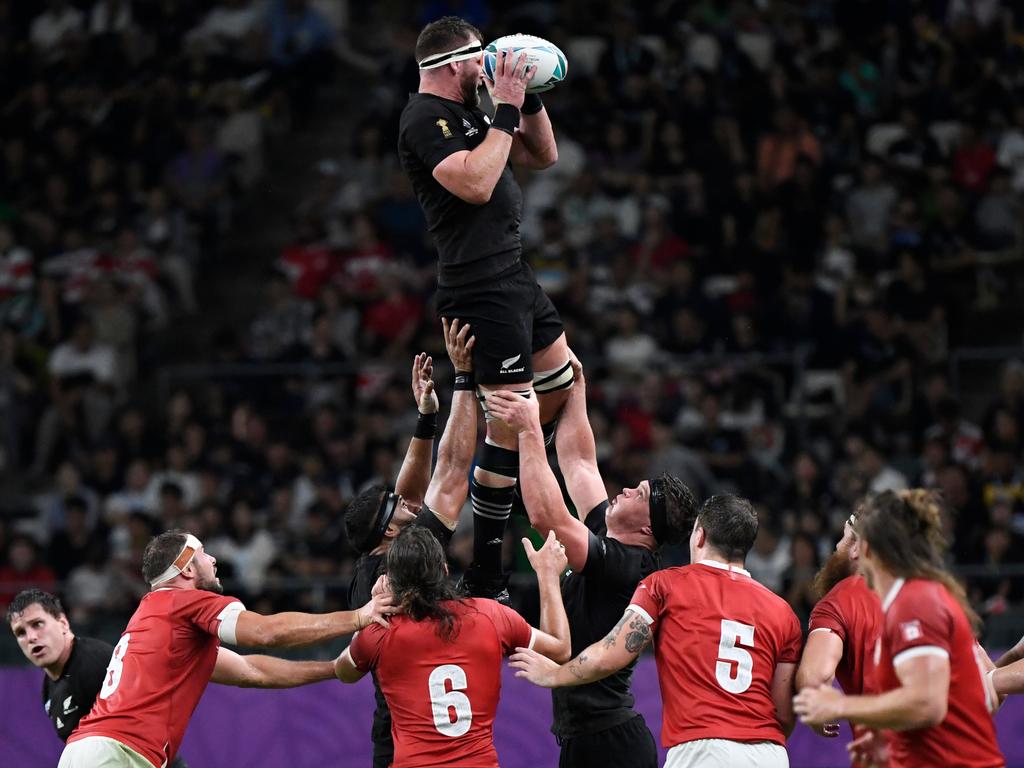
point(785, 238)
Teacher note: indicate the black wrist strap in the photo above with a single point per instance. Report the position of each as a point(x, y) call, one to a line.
point(532, 104)
point(464, 381)
point(506, 118)
point(426, 426)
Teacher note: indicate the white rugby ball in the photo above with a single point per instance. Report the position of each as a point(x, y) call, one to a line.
point(551, 63)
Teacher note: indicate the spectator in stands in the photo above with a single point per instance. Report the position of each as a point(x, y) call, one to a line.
point(23, 569)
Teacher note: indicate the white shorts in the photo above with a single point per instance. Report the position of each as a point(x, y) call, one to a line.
point(101, 752)
point(721, 753)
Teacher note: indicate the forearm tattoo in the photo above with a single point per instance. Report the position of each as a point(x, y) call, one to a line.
point(612, 636)
point(576, 666)
point(638, 636)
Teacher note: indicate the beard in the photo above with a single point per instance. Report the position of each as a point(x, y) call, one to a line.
point(210, 585)
point(835, 569)
point(470, 91)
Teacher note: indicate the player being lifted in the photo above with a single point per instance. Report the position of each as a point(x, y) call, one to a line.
point(843, 627)
point(726, 649)
point(439, 663)
point(459, 161)
point(421, 497)
point(935, 701)
point(611, 547)
point(171, 648)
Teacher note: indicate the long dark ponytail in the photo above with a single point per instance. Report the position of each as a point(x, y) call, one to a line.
point(419, 580)
point(904, 530)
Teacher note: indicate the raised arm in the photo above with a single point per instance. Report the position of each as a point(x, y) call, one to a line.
point(533, 145)
point(449, 483)
point(256, 671)
point(471, 175)
point(291, 629)
point(919, 702)
point(548, 563)
point(577, 451)
point(414, 476)
point(541, 495)
point(615, 651)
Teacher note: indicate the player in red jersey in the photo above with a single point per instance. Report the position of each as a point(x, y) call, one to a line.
point(726, 649)
point(935, 703)
point(843, 628)
point(439, 663)
point(171, 648)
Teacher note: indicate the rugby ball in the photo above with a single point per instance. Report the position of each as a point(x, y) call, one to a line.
point(551, 63)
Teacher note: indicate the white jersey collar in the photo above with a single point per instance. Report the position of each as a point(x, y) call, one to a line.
point(891, 594)
point(724, 566)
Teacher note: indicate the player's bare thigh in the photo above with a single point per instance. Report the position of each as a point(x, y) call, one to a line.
point(554, 355)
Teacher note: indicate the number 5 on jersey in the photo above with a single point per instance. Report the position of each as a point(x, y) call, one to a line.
point(731, 656)
point(112, 677)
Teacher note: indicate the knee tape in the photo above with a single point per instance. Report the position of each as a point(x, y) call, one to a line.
point(498, 460)
point(554, 379)
point(481, 397)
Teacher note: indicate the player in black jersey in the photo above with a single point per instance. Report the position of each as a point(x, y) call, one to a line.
point(611, 548)
point(421, 497)
point(74, 666)
point(459, 161)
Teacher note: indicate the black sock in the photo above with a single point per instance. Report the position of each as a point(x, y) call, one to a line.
point(491, 508)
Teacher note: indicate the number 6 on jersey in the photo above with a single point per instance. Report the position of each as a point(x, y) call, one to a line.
point(445, 702)
point(734, 635)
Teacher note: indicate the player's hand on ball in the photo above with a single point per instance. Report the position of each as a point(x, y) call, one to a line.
point(818, 706)
point(510, 79)
point(423, 383)
point(459, 344)
point(521, 413)
point(549, 559)
point(531, 666)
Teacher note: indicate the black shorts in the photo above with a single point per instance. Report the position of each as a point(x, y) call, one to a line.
point(628, 744)
point(511, 318)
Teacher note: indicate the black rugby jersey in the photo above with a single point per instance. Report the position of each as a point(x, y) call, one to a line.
point(595, 600)
point(473, 241)
point(70, 697)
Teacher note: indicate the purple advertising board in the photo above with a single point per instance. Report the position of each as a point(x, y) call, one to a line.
point(328, 724)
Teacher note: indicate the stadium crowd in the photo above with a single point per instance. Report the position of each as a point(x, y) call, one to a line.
point(766, 224)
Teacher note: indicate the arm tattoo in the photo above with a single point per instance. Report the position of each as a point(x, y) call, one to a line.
point(576, 666)
point(612, 636)
point(639, 635)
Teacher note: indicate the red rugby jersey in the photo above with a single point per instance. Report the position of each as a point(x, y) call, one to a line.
point(922, 618)
point(443, 695)
point(158, 672)
point(718, 636)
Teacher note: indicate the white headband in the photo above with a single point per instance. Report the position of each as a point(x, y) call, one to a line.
point(467, 51)
point(192, 545)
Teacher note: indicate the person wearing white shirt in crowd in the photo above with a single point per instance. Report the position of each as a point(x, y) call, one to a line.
point(83, 354)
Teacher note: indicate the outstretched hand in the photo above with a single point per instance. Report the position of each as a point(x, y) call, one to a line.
point(423, 383)
point(530, 665)
point(520, 413)
point(550, 559)
point(459, 344)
